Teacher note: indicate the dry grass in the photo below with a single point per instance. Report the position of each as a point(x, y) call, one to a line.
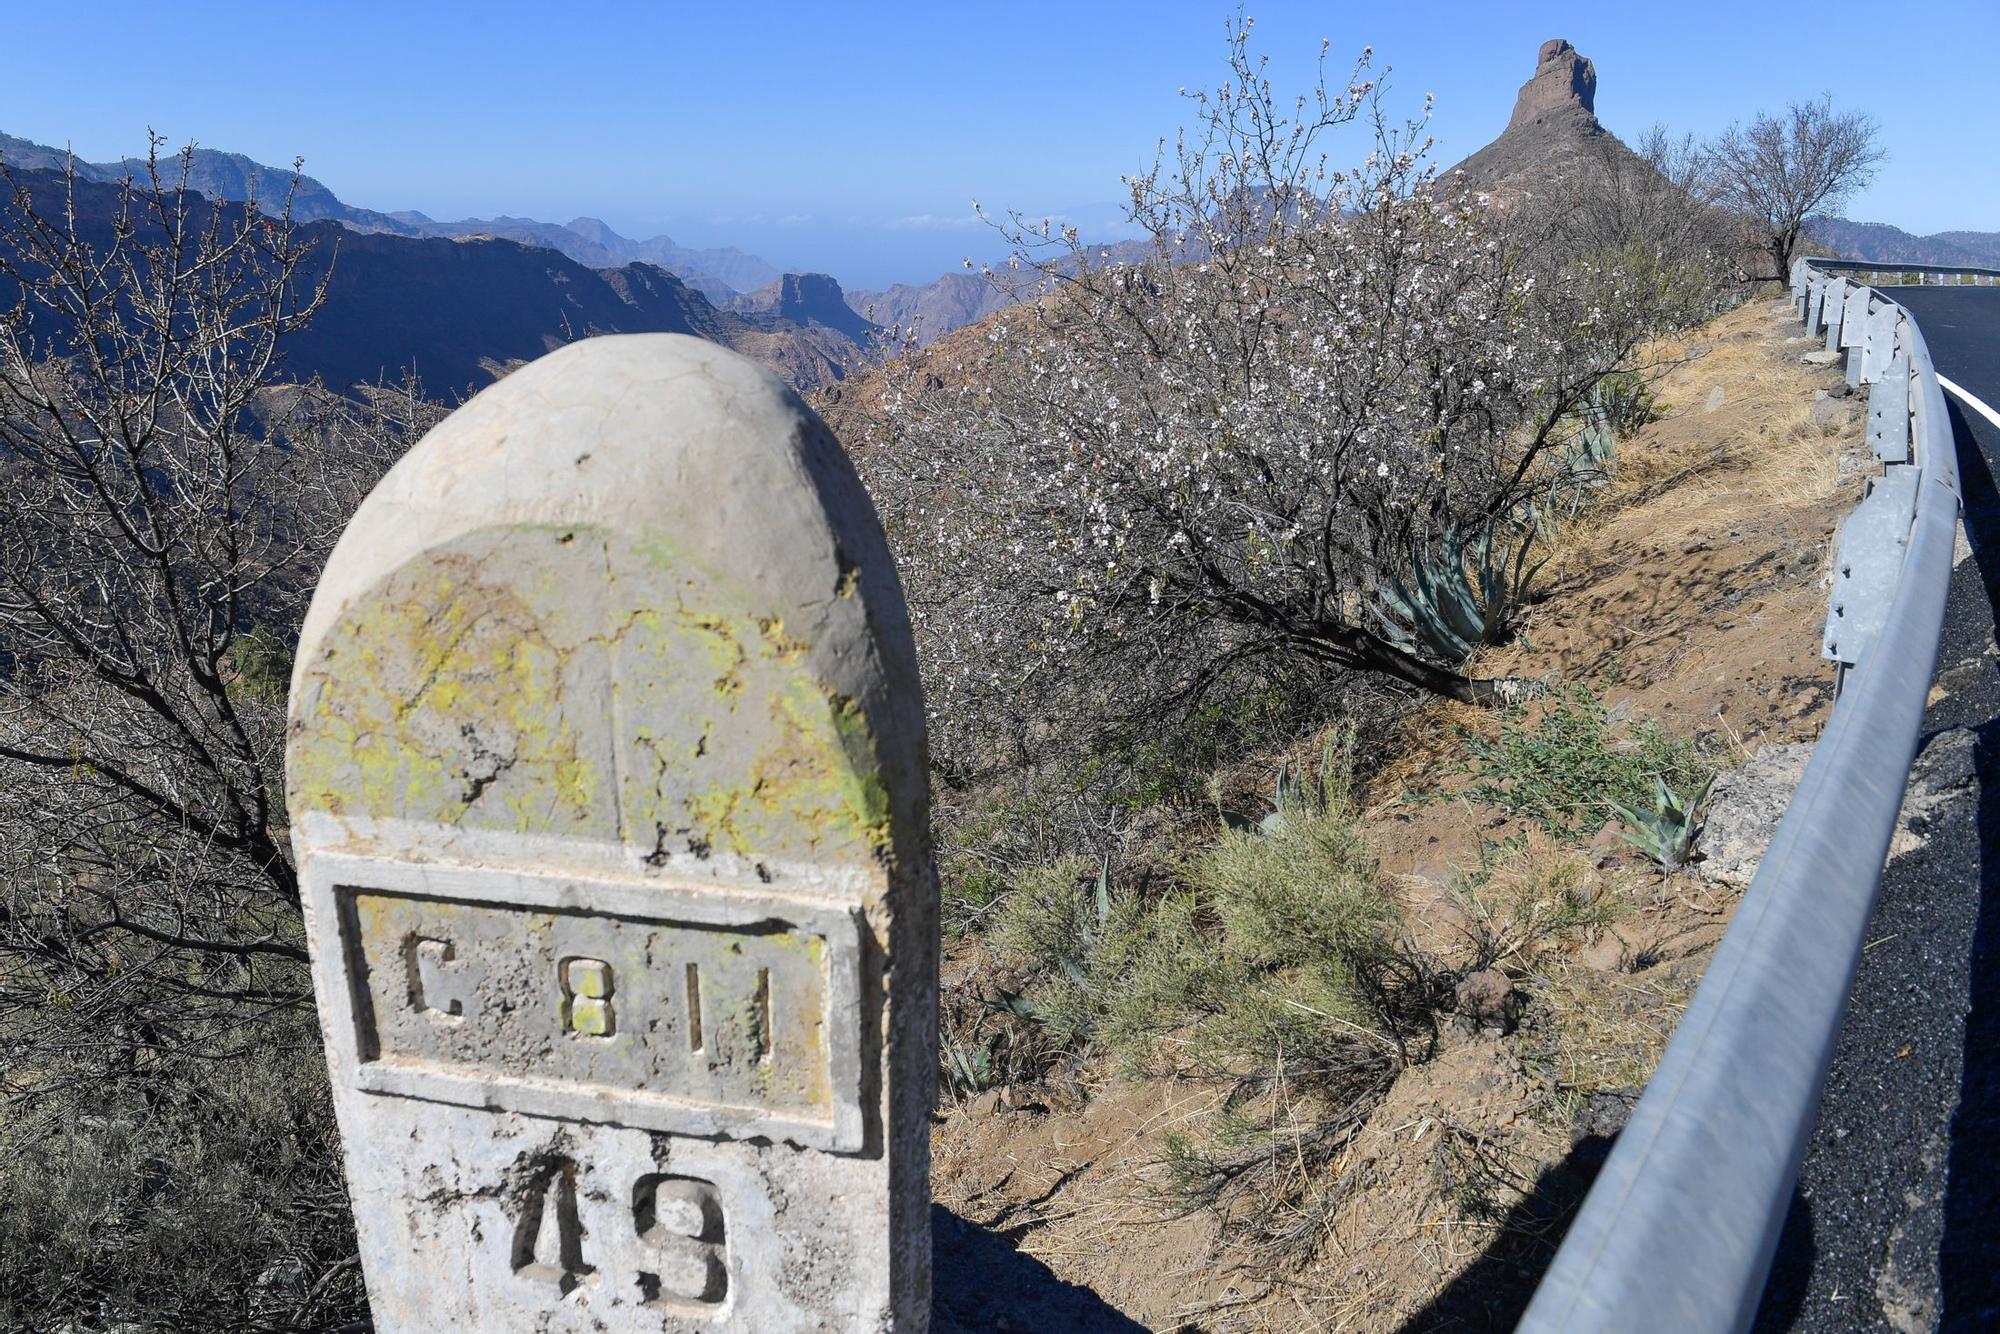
point(1534, 896)
point(1757, 450)
point(1797, 465)
point(1606, 1030)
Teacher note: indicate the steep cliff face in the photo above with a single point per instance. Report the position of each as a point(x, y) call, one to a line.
point(1554, 130)
point(806, 299)
point(1563, 82)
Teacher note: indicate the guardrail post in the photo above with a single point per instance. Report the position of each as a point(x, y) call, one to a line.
point(1835, 302)
point(1881, 344)
point(1889, 412)
point(1854, 330)
point(1868, 562)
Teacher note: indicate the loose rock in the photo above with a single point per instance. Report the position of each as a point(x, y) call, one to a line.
point(1604, 1114)
point(1609, 844)
point(1488, 1000)
point(1744, 808)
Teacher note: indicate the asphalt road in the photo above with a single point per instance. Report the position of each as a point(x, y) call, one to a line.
point(1896, 1222)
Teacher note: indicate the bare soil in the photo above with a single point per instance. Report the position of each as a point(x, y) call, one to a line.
point(1693, 594)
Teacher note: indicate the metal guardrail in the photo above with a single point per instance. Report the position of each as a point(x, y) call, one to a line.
point(1678, 1232)
point(1972, 277)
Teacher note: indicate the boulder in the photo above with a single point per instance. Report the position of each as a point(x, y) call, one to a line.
point(1944, 769)
point(1606, 954)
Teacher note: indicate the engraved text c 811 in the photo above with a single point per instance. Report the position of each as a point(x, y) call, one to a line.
point(668, 1007)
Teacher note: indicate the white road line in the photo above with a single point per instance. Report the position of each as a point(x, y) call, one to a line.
point(1969, 400)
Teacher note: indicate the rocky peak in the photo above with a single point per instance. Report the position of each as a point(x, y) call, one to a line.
point(805, 299)
point(810, 296)
point(1563, 81)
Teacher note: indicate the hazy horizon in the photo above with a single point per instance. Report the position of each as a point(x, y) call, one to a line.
point(855, 146)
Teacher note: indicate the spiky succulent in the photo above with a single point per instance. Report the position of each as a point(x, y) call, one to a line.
point(1667, 832)
point(1284, 799)
point(1458, 598)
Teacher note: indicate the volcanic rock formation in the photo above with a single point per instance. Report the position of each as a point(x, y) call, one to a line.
point(1554, 131)
point(1563, 81)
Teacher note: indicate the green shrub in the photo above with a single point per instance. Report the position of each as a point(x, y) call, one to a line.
point(1074, 936)
point(1275, 968)
point(1563, 763)
point(1278, 970)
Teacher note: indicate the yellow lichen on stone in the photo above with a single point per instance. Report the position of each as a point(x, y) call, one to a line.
point(432, 690)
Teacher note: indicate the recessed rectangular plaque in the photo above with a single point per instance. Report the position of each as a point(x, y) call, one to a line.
point(664, 1006)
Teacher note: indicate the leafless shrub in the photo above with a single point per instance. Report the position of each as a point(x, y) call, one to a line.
point(1780, 171)
point(165, 502)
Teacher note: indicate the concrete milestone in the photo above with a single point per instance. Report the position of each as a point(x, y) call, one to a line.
point(607, 785)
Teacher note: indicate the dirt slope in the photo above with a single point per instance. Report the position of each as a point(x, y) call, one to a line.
point(1694, 595)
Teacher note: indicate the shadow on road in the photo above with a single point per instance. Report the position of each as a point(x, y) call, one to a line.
point(980, 1283)
point(1969, 1253)
point(1790, 1280)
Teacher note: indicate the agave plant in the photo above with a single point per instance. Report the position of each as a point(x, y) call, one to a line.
point(1294, 792)
point(967, 1069)
point(1622, 402)
point(1594, 446)
point(1459, 598)
point(1091, 934)
point(1284, 799)
point(1667, 832)
point(1584, 463)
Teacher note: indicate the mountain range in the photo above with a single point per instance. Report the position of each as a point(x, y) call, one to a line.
point(462, 301)
point(462, 310)
point(1892, 245)
point(730, 279)
point(717, 274)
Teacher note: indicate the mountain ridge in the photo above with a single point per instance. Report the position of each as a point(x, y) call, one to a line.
point(462, 310)
point(719, 273)
point(1887, 244)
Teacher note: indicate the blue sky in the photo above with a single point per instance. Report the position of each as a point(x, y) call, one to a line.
point(850, 138)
